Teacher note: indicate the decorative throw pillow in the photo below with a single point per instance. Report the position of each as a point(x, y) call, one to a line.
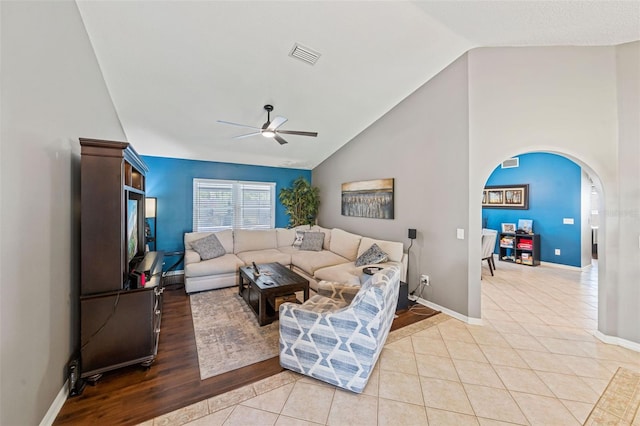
point(299, 237)
point(312, 241)
point(373, 255)
point(208, 247)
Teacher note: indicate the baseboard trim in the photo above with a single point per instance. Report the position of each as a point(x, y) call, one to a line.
point(561, 266)
point(613, 340)
point(456, 315)
point(56, 405)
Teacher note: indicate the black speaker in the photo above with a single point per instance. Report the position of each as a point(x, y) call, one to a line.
point(412, 234)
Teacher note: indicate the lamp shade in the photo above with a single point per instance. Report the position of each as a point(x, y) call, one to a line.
point(150, 207)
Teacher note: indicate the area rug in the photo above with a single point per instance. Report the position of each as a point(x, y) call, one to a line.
point(228, 336)
point(619, 404)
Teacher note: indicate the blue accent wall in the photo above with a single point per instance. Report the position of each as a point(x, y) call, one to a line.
point(554, 193)
point(171, 181)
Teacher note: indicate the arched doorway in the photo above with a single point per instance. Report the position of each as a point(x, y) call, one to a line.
point(547, 195)
point(580, 217)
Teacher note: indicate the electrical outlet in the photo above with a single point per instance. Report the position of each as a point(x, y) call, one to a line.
point(557, 252)
point(424, 279)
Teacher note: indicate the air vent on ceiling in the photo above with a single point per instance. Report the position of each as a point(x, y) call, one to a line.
point(511, 163)
point(304, 54)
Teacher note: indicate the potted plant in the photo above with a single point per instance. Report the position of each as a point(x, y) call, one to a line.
point(301, 202)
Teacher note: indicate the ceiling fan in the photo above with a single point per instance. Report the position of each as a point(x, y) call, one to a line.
point(270, 129)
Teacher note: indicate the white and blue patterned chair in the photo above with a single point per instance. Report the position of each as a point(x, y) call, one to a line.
point(338, 340)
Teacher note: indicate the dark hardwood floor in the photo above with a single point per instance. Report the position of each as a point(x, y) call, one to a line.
point(133, 394)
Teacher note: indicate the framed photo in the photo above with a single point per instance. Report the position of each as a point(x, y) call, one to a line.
point(525, 225)
point(368, 198)
point(506, 197)
point(508, 228)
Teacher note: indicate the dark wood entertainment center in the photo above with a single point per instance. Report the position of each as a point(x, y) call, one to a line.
point(120, 283)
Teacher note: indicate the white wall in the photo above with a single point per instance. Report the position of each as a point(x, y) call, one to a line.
point(422, 144)
point(585, 220)
point(568, 100)
point(52, 93)
point(628, 250)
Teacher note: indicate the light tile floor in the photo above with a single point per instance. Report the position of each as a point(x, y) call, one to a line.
point(534, 361)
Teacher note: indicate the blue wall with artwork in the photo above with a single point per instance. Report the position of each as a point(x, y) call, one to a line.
point(554, 194)
point(170, 180)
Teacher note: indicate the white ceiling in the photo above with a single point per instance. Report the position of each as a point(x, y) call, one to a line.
point(175, 67)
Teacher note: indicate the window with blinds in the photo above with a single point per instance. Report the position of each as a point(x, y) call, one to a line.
point(221, 204)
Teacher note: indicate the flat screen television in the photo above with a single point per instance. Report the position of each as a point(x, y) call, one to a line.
point(132, 229)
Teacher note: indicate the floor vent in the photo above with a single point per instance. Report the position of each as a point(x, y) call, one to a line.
point(304, 54)
point(511, 163)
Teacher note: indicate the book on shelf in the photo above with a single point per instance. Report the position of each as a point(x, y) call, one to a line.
point(507, 242)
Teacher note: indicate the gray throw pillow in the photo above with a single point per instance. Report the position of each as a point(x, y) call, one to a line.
point(373, 255)
point(312, 241)
point(208, 247)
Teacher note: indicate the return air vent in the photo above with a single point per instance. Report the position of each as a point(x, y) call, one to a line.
point(304, 54)
point(511, 163)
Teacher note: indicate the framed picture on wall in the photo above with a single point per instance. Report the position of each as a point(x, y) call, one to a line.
point(506, 197)
point(368, 198)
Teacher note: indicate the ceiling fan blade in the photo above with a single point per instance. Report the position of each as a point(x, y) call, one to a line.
point(296, 132)
point(276, 122)
point(237, 124)
point(280, 140)
point(246, 136)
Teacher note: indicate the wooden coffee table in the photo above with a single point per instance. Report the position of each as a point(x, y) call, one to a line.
point(260, 291)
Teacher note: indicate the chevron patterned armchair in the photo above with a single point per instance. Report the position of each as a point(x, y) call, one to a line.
point(337, 336)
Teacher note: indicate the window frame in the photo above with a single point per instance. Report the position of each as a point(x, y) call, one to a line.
point(239, 217)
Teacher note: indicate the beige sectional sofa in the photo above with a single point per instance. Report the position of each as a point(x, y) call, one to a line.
point(335, 262)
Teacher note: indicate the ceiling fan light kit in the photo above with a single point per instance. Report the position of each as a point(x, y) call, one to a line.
point(270, 129)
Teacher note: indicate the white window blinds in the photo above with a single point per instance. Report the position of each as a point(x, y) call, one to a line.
point(220, 204)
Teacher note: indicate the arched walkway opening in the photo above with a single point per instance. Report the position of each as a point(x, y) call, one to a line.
point(564, 208)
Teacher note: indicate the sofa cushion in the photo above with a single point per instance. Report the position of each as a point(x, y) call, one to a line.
point(371, 256)
point(347, 273)
point(191, 256)
point(229, 263)
point(327, 235)
point(312, 241)
point(225, 237)
point(393, 249)
point(310, 261)
point(208, 247)
point(289, 249)
point(265, 256)
point(285, 236)
point(345, 243)
point(254, 239)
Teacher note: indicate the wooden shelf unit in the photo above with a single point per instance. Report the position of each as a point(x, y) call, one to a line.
point(523, 249)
